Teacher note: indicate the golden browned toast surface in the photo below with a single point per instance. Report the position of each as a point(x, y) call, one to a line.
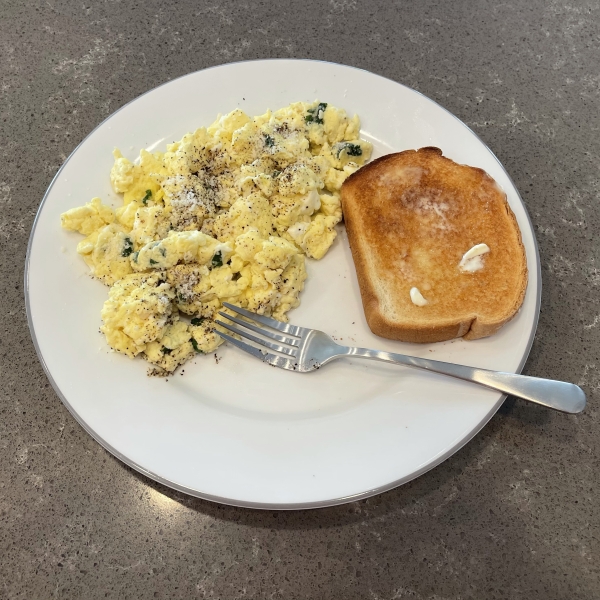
point(411, 217)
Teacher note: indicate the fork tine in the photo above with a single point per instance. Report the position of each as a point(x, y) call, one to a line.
point(245, 347)
point(285, 327)
point(266, 332)
point(257, 340)
point(276, 361)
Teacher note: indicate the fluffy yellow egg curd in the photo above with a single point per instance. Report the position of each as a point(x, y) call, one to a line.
point(228, 213)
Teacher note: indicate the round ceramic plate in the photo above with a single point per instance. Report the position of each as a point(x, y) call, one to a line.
point(230, 428)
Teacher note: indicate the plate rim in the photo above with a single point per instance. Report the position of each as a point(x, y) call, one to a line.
point(266, 505)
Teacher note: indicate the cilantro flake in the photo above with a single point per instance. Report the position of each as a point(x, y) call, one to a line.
point(315, 115)
point(127, 247)
point(217, 260)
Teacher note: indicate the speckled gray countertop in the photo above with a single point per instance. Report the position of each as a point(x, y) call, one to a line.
point(514, 514)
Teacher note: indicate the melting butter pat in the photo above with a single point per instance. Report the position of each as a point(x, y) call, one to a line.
point(472, 260)
point(417, 297)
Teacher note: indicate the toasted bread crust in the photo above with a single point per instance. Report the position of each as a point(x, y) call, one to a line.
point(410, 216)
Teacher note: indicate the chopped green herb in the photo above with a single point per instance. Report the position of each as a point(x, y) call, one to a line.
point(153, 262)
point(166, 350)
point(351, 149)
point(135, 256)
point(269, 141)
point(217, 260)
point(127, 247)
point(195, 345)
point(354, 150)
point(315, 115)
point(163, 251)
point(147, 197)
point(276, 174)
point(197, 321)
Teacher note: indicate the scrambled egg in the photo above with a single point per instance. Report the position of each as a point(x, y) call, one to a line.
point(228, 213)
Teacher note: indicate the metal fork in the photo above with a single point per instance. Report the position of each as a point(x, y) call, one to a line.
point(303, 350)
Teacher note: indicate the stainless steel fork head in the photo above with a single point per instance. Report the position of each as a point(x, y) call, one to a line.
point(304, 349)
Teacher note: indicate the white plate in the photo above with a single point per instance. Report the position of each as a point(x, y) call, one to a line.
point(239, 431)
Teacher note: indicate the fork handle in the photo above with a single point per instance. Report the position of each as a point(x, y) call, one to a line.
point(559, 395)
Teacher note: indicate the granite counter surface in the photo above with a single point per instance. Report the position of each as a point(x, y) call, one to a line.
point(512, 515)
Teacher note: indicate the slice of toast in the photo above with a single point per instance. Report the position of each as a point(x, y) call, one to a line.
point(411, 217)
